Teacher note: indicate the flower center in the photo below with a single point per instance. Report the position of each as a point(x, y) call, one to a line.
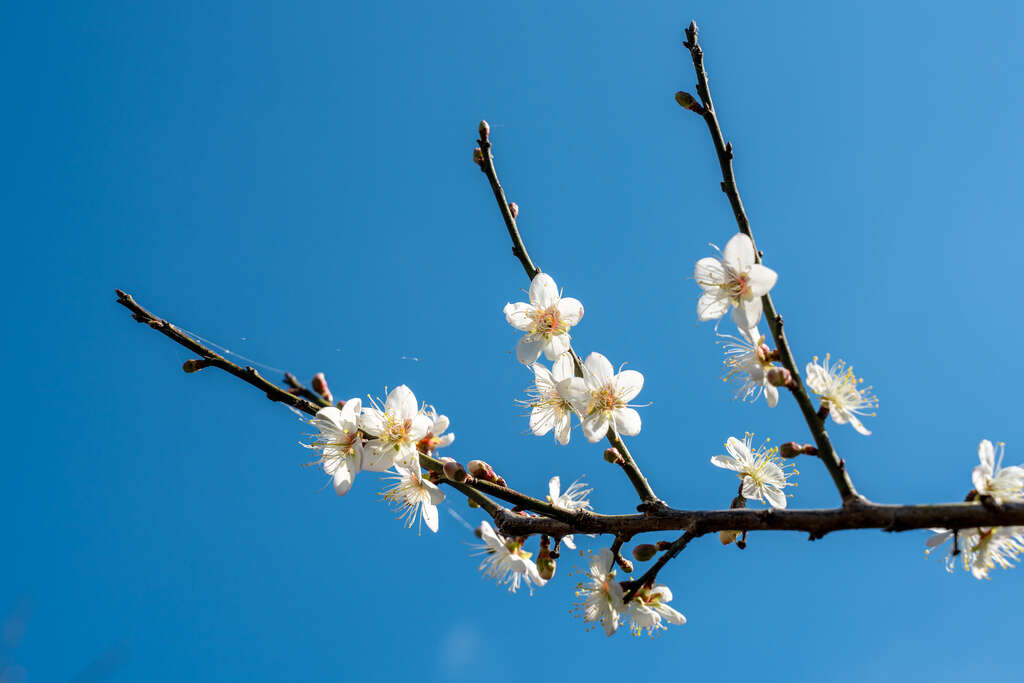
point(603, 399)
point(396, 432)
point(548, 322)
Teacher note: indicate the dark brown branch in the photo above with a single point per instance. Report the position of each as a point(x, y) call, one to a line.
point(648, 577)
point(724, 150)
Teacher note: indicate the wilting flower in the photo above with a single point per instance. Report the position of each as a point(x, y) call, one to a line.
point(574, 499)
point(417, 498)
point(733, 280)
point(396, 430)
point(762, 471)
point(746, 364)
point(549, 410)
point(840, 392)
point(546, 320)
point(601, 594)
point(980, 549)
point(990, 479)
point(649, 608)
point(602, 398)
point(436, 438)
point(506, 561)
point(340, 444)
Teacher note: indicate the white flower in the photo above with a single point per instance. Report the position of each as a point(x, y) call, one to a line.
point(838, 388)
point(746, 363)
point(649, 609)
point(733, 280)
point(763, 476)
point(417, 498)
point(546, 320)
point(981, 549)
point(549, 409)
point(602, 594)
point(436, 438)
point(506, 561)
point(602, 398)
point(991, 480)
point(340, 443)
point(396, 429)
point(574, 499)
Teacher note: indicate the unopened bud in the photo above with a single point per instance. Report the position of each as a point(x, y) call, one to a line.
point(500, 481)
point(612, 455)
point(791, 449)
point(480, 470)
point(320, 387)
point(644, 552)
point(455, 472)
point(764, 353)
point(626, 565)
point(193, 365)
point(727, 537)
point(779, 377)
point(513, 209)
point(478, 156)
point(687, 101)
point(485, 130)
point(545, 564)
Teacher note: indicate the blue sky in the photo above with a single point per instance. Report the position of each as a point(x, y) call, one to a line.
point(296, 184)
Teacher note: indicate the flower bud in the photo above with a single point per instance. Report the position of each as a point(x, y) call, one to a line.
point(485, 130)
point(478, 156)
point(687, 101)
point(480, 470)
point(644, 552)
point(513, 208)
point(727, 537)
point(455, 472)
point(612, 455)
point(626, 565)
point(319, 384)
point(193, 365)
point(545, 564)
point(764, 353)
point(790, 449)
point(779, 377)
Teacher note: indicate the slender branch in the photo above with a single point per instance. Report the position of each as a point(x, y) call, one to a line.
point(651, 574)
point(836, 467)
point(302, 390)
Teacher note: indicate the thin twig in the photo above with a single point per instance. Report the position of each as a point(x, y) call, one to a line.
point(651, 574)
point(302, 390)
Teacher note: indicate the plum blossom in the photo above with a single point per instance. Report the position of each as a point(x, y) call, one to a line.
point(601, 594)
point(549, 410)
point(734, 280)
point(990, 479)
point(840, 392)
point(340, 444)
point(546, 320)
point(602, 398)
point(980, 549)
point(416, 497)
point(746, 364)
point(436, 438)
point(762, 471)
point(506, 561)
point(574, 498)
point(649, 608)
point(396, 430)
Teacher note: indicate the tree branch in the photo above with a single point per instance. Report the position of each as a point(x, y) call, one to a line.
point(836, 467)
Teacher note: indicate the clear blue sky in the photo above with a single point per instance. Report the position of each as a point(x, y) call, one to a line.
point(296, 184)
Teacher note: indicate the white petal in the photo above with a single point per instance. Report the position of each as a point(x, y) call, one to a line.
point(401, 403)
point(440, 424)
point(563, 368)
point(328, 420)
point(627, 421)
point(858, 426)
point(529, 347)
point(979, 477)
point(747, 313)
point(563, 428)
point(750, 489)
point(574, 390)
point(542, 420)
point(817, 378)
point(670, 615)
point(986, 453)
point(420, 426)
point(556, 346)
point(628, 384)
point(599, 369)
point(543, 291)
point(429, 515)
point(350, 414)
point(738, 253)
point(518, 315)
point(776, 498)
point(737, 449)
point(543, 378)
point(709, 273)
point(371, 421)
point(771, 395)
point(554, 488)
point(595, 426)
point(712, 305)
point(761, 279)
point(939, 538)
point(343, 477)
point(378, 459)
point(571, 310)
point(725, 462)
point(568, 542)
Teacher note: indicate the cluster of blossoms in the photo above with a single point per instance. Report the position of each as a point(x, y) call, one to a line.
point(355, 437)
point(599, 397)
point(982, 549)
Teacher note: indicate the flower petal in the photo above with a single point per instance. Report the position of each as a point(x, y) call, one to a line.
point(563, 428)
point(761, 279)
point(568, 542)
point(628, 384)
point(542, 420)
point(776, 498)
point(378, 458)
point(571, 310)
point(401, 403)
point(429, 514)
point(726, 462)
point(712, 305)
point(556, 345)
point(529, 347)
point(371, 421)
point(543, 291)
point(599, 369)
point(986, 454)
point(554, 488)
point(595, 426)
point(563, 368)
point(343, 477)
point(518, 315)
point(627, 421)
point(738, 253)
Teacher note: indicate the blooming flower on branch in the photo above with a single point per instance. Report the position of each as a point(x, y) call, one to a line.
point(762, 471)
point(396, 430)
point(575, 498)
point(549, 410)
point(506, 561)
point(990, 479)
point(601, 594)
point(417, 498)
point(649, 608)
point(746, 364)
point(340, 443)
point(546, 320)
point(840, 392)
point(733, 280)
point(980, 549)
point(602, 398)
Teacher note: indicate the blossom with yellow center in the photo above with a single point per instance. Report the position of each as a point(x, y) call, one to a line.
point(395, 429)
point(548, 409)
point(735, 280)
point(649, 608)
point(601, 594)
point(763, 473)
point(546, 320)
point(841, 393)
point(340, 443)
point(417, 498)
point(601, 397)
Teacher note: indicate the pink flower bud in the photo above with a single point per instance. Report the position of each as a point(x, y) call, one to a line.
point(485, 130)
point(644, 552)
point(779, 377)
point(478, 156)
point(193, 365)
point(513, 208)
point(320, 387)
point(613, 456)
point(455, 472)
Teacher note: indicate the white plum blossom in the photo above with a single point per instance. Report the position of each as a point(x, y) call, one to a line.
point(506, 561)
point(980, 549)
point(340, 444)
point(416, 497)
point(841, 393)
point(762, 471)
point(435, 437)
point(546, 320)
point(734, 280)
point(396, 430)
point(601, 594)
point(549, 410)
point(602, 397)
point(649, 608)
point(574, 498)
point(990, 479)
point(746, 363)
